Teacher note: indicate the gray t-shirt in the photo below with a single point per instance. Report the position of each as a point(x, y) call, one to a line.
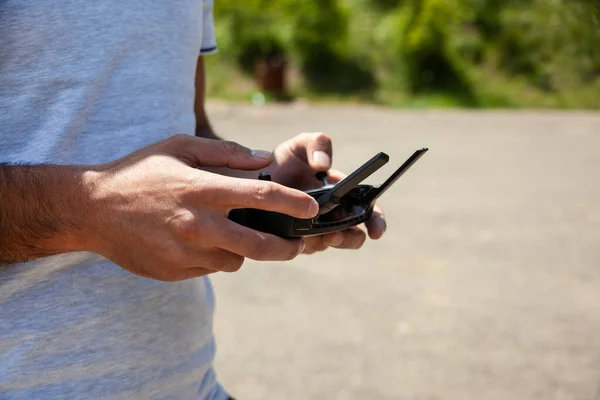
point(86, 82)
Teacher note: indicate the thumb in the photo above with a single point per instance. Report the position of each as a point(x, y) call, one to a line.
point(318, 151)
point(202, 152)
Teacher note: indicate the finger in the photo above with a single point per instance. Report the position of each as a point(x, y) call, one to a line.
point(333, 239)
point(201, 152)
point(319, 152)
point(205, 262)
point(322, 242)
point(335, 176)
point(217, 259)
point(315, 147)
point(263, 195)
point(255, 245)
point(376, 225)
point(353, 238)
point(313, 244)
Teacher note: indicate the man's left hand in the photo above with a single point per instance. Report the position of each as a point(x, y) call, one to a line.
point(295, 165)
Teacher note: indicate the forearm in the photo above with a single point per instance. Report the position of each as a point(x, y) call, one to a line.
point(203, 127)
point(44, 210)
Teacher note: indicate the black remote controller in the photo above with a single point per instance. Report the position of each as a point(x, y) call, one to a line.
point(341, 206)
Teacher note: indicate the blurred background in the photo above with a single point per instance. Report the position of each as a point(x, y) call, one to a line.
point(486, 285)
point(443, 53)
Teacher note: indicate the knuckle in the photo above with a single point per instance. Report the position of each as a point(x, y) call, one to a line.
point(260, 249)
point(233, 265)
point(184, 226)
point(218, 264)
point(291, 251)
point(230, 147)
point(236, 237)
point(321, 246)
point(318, 248)
point(197, 182)
point(264, 191)
point(318, 243)
point(321, 137)
point(205, 188)
point(164, 264)
point(294, 252)
point(200, 184)
point(360, 239)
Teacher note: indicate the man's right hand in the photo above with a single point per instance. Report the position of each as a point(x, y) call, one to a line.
point(156, 215)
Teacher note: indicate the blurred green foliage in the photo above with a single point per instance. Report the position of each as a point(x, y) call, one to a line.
point(473, 52)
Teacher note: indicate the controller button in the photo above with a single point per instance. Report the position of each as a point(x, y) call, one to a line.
point(302, 224)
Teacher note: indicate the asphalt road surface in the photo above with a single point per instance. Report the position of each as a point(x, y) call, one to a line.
point(486, 285)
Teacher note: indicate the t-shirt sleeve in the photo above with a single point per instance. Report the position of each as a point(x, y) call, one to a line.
point(209, 42)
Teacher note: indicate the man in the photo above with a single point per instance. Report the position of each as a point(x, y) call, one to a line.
point(107, 215)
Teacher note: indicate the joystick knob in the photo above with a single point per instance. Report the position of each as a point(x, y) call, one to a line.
point(264, 176)
point(322, 176)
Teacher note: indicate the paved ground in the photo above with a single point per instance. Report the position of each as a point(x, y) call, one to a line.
point(487, 285)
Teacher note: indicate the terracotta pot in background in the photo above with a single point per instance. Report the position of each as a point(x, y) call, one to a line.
point(270, 76)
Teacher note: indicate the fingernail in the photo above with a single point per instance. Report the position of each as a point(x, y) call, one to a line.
point(380, 228)
point(383, 225)
point(321, 159)
point(263, 154)
point(337, 239)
